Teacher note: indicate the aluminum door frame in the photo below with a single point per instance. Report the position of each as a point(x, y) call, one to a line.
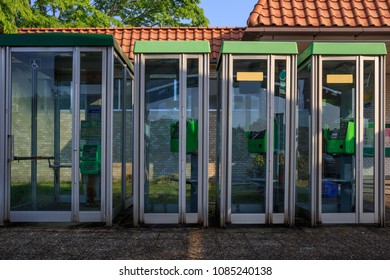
point(74, 215)
point(358, 216)
point(139, 216)
point(105, 213)
point(3, 138)
point(226, 215)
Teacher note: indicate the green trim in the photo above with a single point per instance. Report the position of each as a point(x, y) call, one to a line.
point(58, 39)
point(242, 47)
point(350, 48)
point(172, 47)
point(257, 48)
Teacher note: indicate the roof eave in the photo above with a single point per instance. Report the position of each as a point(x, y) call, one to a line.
point(253, 32)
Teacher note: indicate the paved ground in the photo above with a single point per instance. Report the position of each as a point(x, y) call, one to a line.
point(97, 242)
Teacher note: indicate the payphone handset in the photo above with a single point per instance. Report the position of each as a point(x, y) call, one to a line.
point(341, 140)
point(191, 136)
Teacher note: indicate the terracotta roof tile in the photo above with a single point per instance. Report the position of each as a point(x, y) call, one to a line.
point(316, 13)
point(126, 37)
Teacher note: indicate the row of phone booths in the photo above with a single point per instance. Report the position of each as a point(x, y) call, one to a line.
point(296, 137)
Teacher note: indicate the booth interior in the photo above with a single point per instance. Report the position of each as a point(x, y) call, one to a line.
point(340, 127)
point(67, 117)
point(254, 126)
point(172, 180)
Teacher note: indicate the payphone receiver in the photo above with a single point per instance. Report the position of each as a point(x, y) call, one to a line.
point(191, 137)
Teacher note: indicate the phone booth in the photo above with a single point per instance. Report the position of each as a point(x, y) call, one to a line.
point(66, 111)
point(340, 171)
point(255, 127)
point(172, 110)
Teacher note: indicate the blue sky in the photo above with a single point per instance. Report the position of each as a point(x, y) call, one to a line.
point(227, 12)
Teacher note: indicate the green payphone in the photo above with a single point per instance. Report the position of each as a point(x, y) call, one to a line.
point(342, 140)
point(191, 138)
point(257, 140)
point(90, 159)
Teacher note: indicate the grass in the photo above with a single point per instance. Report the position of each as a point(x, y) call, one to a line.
point(163, 190)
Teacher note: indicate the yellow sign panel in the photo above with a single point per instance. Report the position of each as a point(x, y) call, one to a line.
point(249, 76)
point(339, 79)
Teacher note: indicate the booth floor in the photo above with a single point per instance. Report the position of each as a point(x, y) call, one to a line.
point(97, 242)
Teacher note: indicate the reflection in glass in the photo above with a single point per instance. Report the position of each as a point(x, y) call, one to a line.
point(303, 143)
point(192, 136)
point(129, 135)
point(279, 136)
point(369, 137)
point(249, 124)
point(161, 135)
point(117, 134)
point(41, 174)
point(90, 130)
point(338, 124)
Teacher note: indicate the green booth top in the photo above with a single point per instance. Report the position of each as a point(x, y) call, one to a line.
point(59, 39)
point(257, 48)
point(168, 47)
point(243, 47)
point(342, 48)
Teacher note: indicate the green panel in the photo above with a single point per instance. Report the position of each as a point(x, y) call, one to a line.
point(172, 47)
point(58, 39)
point(353, 48)
point(242, 47)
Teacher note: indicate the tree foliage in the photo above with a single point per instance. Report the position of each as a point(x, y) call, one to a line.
point(155, 12)
point(99, 13)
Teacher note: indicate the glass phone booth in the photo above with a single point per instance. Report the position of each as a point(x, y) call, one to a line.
point(65, 99)
point(172, 112)
point(340, 133)
point(254, 132)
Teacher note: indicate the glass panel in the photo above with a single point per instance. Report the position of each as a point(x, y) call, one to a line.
point(303, 143)
point(41, 172)
point(279, 136)
point(249, 124)
point(338, 124)
point(161, 135)
point(369, 137)
point(90, 130)
point(129, 138)
point(117, 136)
point(192, 135)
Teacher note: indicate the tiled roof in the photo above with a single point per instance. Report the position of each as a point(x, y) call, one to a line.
point(127, 36)
point(320, 13)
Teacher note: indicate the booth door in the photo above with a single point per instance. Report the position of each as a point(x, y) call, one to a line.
point(170, 190)
point(55, 168)
point(348, 182)
point(258, 127)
